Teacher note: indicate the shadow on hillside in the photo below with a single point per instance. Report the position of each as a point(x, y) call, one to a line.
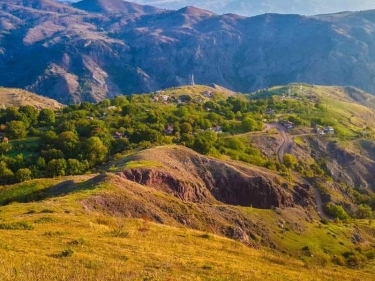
point(61, 189)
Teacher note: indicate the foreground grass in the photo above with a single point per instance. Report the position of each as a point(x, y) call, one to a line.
point(67, 243)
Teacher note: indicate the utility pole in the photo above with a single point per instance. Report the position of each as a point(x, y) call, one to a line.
point(192, 82)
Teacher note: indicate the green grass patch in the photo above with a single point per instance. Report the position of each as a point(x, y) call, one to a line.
point(142, 164)
point(16, 226)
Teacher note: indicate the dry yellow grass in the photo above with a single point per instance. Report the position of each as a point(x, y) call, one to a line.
point(67, 242)
point(18, 97)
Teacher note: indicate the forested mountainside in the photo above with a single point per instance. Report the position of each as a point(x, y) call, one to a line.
point(91, 51)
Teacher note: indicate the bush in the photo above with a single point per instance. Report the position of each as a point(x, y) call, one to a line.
point(16, 226)
point(337, 212)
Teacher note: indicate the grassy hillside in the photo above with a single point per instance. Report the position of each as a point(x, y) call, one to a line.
point(18, 97)
point(186, 184)
point(60, 238)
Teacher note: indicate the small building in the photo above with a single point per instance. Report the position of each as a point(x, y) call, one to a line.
point(168, 129)
point(329, 130)
point(208, 94)
point(217, 129)
point(288, 124)
point(269, 111)
point(117, 135)
point(165, 98)
point(320, 132)
point(112, 107)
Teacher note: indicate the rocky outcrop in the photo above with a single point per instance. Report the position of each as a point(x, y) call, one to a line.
point(195, 178)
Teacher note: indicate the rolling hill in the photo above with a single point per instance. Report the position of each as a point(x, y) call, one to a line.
point(18, 97)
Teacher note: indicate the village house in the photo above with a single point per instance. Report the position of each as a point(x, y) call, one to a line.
point(269, 111)
point(117, 135)
point(208, 94)
point(329, 130)
point(168, 129)
point(165, 98)
point(320, 132)
point(288, 124)
point(217, 129)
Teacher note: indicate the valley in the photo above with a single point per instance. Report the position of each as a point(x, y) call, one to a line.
point(141, 143)
point(191, 182)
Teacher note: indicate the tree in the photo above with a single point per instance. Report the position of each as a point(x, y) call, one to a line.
point(95, 151)
point(6, 174)
point(56, 167)
point(289, 161)
point(41, 163)
point(74, 167)
point(337, 212)
point(16, 130)
point(30, 112)
point(67, 142)
point(5, 147)
point(249, 124)
point(22, 175)
point(363, 212)
point(46, 116)
point(186, 128)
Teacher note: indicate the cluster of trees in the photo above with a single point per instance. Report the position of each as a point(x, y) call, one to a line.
point(82, 136)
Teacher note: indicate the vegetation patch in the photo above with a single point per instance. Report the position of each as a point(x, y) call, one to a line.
point(16, 226)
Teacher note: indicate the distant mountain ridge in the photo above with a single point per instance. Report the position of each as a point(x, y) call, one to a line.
point(95, 49)
point(257, 7)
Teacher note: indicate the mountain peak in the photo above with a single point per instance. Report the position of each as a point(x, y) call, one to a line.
point(114, 7)
point(194, 11)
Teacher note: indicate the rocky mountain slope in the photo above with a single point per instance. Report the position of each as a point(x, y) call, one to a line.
point(91, 51)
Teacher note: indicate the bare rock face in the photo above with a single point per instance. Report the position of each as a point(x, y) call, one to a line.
point(199, 179)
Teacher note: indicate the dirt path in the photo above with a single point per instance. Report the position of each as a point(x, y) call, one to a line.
point(286, 147)
point(287, 144)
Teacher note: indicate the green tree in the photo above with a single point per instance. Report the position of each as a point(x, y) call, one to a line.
point(74, 167)
point(68, 142)
point(16, 130)
point(30, 112)
point(6, 174)
point(22, 175)
point(337, 212)
point(5, 147)
point(56, 167)
point(289, 161)
point(95, 151)
point(363, 212)
point(186, 128)
point(249, 124)
point(41, 163)
point(46, 117)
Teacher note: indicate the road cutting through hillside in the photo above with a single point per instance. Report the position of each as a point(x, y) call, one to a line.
point(286, 147)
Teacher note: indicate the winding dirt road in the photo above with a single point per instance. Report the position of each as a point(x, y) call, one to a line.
point(287, 143)
point(286, 147)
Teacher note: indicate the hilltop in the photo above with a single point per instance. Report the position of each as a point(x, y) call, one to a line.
point(95, 50)
point(18, 97)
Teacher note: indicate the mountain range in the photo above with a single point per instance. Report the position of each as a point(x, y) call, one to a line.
point(96, 49)
point(256, 7)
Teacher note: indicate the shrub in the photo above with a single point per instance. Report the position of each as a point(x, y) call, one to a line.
point(16, 226)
